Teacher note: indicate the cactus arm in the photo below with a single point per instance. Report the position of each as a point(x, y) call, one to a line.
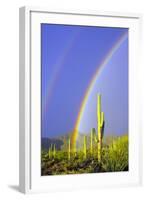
point(102, 119)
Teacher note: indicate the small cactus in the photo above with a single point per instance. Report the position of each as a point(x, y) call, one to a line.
point(54, 151)
point(49, 153)
point(69, 149)
point(85, 147)
point(92, 134)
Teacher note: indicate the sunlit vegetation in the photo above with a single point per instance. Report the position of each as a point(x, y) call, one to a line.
point(114, 158)
point(97, 153)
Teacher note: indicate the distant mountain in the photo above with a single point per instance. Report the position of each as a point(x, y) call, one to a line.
point(46, 143)
point(61, 142)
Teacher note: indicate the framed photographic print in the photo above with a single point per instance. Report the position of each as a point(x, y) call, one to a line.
point(79, 100)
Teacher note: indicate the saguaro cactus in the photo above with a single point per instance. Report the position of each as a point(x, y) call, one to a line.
point(100, 125)
point(54, 151)
point(91, 141)
point(85, 147)
point(49, 152)
point(51, 147)
point(69, 149)
point(93, 131)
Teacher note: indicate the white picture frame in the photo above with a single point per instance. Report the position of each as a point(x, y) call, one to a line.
point(29, 160)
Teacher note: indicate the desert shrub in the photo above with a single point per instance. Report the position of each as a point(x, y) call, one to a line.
point(115, 157)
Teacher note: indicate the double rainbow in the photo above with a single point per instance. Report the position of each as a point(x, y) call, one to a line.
point(90, 87)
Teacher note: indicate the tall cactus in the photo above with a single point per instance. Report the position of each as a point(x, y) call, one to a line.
point(100, 125)
point(69, 149)
point(85, 147)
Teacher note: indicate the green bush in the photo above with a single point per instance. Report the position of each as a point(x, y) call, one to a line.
point(115, 157)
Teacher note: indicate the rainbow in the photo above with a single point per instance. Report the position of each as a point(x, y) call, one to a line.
point(58, 66)
point(90, 87)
